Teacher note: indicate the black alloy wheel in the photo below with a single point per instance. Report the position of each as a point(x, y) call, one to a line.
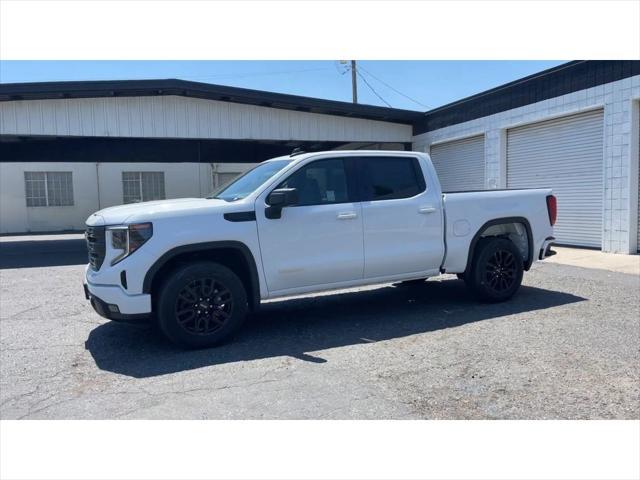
point(496, 269)
point(203, 306)
point(501, 271)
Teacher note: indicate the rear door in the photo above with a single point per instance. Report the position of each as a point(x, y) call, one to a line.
point(401, 217)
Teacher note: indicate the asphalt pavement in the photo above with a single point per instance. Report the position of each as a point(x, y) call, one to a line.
point(566, 347)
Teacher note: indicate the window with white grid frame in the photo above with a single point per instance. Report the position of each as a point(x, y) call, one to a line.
point(142, 186)
point(48, 189)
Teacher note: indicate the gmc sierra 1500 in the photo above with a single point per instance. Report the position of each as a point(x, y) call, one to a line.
point(305, 223)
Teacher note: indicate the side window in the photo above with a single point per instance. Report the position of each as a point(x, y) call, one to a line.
point(49, 189)
point(387, 178)
point(321, 182)
point(142, 186)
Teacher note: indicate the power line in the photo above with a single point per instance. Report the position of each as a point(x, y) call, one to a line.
point(394, 89)
point(372, 89)
point(341, 66)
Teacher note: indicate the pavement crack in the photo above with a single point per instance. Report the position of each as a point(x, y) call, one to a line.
point(26, 349)
point(17, 398)
point(13, 315)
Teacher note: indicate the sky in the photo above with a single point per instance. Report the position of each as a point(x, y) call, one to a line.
point(412, 85)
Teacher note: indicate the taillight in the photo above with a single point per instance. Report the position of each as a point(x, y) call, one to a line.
point(552, 208)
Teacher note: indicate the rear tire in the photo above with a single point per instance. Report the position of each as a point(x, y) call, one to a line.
point(496, 271)
point(201, 305)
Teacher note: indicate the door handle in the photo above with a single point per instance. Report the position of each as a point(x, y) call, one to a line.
point(346, 215)
point(427, 209)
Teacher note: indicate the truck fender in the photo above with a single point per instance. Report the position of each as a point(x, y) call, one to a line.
point(499, 221)
point(254, 294)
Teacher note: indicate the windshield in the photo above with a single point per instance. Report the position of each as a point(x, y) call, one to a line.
point(249, 181)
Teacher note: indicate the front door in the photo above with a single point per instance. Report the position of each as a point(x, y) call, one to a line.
point(319, 240)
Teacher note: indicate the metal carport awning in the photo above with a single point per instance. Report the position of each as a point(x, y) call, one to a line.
point(106, 149)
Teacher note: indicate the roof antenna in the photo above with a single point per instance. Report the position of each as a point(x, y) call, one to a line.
point(296, 151)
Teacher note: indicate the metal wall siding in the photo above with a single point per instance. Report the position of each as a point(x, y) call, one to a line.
point(565, 154)
point(183, 117)
point(638, 224)
point(460, 164)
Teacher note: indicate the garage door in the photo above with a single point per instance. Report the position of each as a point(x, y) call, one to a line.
point(460, 164)
point(565, 154)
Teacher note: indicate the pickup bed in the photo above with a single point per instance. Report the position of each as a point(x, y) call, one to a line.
point(305, 223)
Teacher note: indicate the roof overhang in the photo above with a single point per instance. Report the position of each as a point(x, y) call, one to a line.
point(561, 80)
point(134, 88)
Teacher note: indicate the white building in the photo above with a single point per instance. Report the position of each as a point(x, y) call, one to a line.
point(574, 128)
point(70, 148)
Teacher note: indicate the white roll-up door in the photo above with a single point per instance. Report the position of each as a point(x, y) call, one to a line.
point(565, 154)
point(460, 164)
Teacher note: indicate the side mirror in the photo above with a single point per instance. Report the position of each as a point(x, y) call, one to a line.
point(279, 198)
point(282, 197)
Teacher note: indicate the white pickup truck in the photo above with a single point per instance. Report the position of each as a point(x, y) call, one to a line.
point(305, 223)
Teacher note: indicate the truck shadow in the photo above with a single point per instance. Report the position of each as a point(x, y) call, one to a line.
point(299, 327)
point(43, 253)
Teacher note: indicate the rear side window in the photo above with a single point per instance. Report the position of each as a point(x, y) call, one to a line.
point(387, 178)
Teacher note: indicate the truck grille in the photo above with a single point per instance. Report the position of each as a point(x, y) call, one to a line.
point(95, 246)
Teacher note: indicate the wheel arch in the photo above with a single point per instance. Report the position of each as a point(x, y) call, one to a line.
point(502, 221)
point(233, 254)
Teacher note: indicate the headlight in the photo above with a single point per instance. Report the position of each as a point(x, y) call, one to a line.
point(128, 239)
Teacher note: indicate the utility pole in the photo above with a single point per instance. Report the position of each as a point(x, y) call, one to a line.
point(354, 81)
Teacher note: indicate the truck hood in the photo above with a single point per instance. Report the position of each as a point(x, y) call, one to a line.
point(148, 211)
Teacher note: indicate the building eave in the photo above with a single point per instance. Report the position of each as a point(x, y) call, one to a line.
point(133, 88)
point(554, 82)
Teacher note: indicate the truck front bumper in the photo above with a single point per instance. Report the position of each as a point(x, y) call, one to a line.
point(112, 303)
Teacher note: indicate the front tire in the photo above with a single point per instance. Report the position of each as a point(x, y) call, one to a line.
point(201, 305)
point(497, 270)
